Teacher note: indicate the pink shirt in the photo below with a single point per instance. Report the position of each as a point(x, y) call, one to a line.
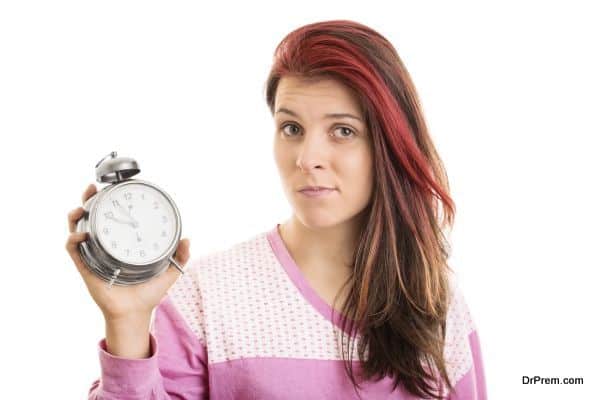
point(244, 323)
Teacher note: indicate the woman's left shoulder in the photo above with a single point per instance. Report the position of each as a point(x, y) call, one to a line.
point(459, 315)
point(462, 350)
point(461, 340)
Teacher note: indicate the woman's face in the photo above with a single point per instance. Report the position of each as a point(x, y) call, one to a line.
point(315, 148)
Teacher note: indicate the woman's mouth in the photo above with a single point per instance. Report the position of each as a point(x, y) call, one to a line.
point(317, 192)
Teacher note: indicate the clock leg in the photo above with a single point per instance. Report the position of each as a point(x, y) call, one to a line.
point(176, 264)
point(112, 279)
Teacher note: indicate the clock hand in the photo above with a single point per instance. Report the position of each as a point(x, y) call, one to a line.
point(120, 221)
point(123, 210)
point(133, 219)
point(135, 224)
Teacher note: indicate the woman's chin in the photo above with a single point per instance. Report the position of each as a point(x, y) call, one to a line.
point(316, 221)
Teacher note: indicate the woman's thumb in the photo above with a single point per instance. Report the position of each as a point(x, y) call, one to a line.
point(182, 255)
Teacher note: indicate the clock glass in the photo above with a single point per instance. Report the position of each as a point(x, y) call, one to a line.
point(135, 223)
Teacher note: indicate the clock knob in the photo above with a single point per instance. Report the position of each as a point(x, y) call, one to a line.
point(116, 169)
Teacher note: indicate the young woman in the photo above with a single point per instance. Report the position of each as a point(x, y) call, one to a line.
point(352, 296)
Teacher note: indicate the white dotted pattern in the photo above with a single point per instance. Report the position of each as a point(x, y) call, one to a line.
point(459, 324)
point(241, 303)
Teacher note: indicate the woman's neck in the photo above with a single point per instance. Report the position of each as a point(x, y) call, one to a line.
point(325, 251)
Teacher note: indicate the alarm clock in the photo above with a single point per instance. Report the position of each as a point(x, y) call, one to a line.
point(133, 226)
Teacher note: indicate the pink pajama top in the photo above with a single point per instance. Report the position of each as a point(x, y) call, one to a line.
point(244, 323)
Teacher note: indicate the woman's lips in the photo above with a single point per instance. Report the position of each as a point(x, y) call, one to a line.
point(317, 192)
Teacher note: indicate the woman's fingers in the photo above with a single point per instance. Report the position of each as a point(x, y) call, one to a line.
point(162, 282)
point(89, 192)
point(182, 254)
point(72, 243)
point(73, 217)
point(76, 214)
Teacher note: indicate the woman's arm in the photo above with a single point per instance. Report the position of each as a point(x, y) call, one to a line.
point(175, 369)
point(129, 337)
point(472, 386)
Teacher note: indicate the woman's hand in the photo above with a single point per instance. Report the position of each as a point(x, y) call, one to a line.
point(121, 302)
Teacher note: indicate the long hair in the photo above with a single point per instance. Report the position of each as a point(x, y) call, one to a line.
point(399, 287)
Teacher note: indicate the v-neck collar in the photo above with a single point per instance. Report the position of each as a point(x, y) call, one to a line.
point(295, 274)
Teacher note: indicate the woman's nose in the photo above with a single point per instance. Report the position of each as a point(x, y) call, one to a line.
point(311, 152)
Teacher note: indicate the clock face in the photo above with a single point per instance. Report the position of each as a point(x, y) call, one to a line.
point(135, 223)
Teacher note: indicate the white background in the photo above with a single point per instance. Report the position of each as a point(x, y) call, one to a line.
point(510, 93)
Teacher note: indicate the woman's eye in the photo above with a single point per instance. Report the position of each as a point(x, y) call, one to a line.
point(287, 125)
point(346, 132)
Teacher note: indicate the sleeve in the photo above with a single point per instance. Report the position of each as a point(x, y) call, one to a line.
point(176, 369)
point(463, 351)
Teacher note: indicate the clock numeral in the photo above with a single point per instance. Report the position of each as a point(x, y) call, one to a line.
point(164, 219)
point(155, 246)
point(113, 244)
point(163, 234)
point(142, 253)
point(105, 230)
point(127, 251)
point(115, 203)
point(155, 205)
point(127, 196)
point(143, 198)
point(108, 214)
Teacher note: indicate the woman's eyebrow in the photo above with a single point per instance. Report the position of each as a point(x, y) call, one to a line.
point(331, 115)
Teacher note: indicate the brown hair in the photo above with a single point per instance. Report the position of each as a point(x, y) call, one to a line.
point(399, 287)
